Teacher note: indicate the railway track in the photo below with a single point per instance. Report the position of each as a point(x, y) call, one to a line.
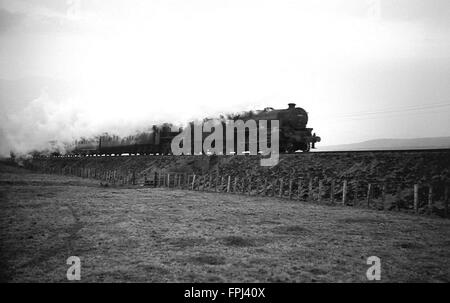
point(327, 152)
point(383, 151)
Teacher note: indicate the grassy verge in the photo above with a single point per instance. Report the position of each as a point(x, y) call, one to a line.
point(160, 235)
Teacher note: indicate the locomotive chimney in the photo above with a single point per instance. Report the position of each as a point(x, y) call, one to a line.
point(291, 105)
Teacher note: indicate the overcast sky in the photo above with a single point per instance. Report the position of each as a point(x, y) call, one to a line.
point(363, 69)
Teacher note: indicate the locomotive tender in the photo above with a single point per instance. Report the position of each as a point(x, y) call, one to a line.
point(293, 135)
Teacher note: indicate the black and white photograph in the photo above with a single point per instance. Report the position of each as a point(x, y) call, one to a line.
point(224, 146)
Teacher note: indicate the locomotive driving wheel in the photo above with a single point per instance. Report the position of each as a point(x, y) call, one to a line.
point(287, 148)
point(306, 148)
point(290, 148)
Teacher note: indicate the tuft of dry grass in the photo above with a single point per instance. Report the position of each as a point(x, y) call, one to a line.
point(208, 259)
point(160, 235)
point(295, 230)
point(238, 241)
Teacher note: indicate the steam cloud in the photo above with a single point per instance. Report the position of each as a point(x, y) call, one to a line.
point(53, 121)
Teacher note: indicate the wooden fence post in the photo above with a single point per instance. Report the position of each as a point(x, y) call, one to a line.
point(332, 192)
point(319, 195)
point(280, 194)
point(201, 183)
point(193, 182)
point(228, 184)
point(344, 192)
point(235, 184)
point(398, 196)
point(168, 180)
point(416, 198)
point(369, 190)
point(217, 182)
point(430, 199)
point(299, 189)
point(290, 189)
point(310, 190)
point(446, 201)
point(221, 184)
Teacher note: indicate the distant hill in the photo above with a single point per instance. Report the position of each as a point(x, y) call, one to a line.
point(383, 144)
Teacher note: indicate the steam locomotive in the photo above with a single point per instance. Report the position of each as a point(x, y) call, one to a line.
point(293, 135)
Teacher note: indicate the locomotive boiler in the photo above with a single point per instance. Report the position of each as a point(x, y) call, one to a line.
point(294, 135)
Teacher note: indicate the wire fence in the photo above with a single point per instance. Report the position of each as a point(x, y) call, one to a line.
point(416, 197)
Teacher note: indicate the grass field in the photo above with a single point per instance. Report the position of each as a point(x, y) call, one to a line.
point(159, 235)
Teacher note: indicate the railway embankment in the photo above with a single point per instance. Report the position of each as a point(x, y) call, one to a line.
point(390, 176)
point(395, 166)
